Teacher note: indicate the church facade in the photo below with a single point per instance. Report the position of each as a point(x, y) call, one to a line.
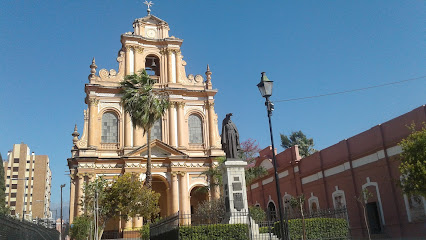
point(185, 141)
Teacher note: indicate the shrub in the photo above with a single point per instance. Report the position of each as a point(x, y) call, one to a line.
point(172, 234)
point(257, 213)
point(266, 229)
point(316, 228)
point(145, 231)
point(214, 231)
point(80, 228)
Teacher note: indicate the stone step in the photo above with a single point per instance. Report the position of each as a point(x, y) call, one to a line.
point(265, 236)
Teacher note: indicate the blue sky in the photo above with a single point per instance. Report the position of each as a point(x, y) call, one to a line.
point(306, 47)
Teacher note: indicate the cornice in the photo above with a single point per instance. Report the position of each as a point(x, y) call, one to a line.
point(140, 39)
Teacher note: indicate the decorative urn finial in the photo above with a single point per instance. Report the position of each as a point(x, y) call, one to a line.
point(75, 135)
point(208, 78)
point(92, 69)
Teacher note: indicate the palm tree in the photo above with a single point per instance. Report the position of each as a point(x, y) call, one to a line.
point(145, 105)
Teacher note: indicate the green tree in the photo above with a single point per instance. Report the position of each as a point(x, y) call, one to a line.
point(413, 162)
point(254, 173)
point(249, 151)
point(297, 202)
point(145, 105)
point(124, 197)
point(306, 145)
point(80, 228)
point(257, 213)
point(3, 208)
point(363, 199)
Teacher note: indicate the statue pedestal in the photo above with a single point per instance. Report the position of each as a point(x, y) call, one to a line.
point(234, 189)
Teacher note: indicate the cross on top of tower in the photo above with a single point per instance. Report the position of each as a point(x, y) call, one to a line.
point(148, 4)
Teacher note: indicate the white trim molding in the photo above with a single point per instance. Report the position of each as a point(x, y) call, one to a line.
point(374, 184)
point(338, 193)
point(268, 180)
point(313, 199)
point(392, 151)
point(254, 186)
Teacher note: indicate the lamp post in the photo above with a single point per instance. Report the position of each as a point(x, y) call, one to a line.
point(265, 88)
point(25, 189)
point(62, 186)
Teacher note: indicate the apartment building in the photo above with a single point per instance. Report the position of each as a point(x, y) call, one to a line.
point(28, 182)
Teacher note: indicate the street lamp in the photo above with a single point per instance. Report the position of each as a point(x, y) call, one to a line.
point(62, 186)
point(265, 88)
point(25, 189)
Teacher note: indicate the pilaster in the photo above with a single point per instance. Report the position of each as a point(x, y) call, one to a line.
point(127, 130)
point(210, 108)
point(93, 104)
point(138, 60)
point(180, 120)
point(72, 196)
point(178, 65)
point(174, 193)
point(137, 136)
point(80, 179)
point(127, 66)
point(172, 122)
point(128, 224)
point(183, 193)
point(169, 67)
point(137, 222)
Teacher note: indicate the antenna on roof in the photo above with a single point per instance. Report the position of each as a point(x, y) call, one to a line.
point(148, 4)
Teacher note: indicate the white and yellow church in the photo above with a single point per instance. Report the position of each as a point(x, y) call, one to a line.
point(186, 141)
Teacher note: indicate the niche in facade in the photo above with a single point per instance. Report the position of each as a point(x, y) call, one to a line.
point(152, 66)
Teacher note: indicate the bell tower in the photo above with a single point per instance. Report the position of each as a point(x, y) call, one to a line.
point(149, 47)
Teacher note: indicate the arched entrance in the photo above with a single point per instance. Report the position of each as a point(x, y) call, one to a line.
point(159, 185)
point(272, 214)
point(198, 195)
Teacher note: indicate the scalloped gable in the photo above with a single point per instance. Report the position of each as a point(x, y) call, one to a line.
point(159, 149)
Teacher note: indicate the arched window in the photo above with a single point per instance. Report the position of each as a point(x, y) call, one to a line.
point(152, 65)
point(271, 213)
point(313, 204)
point(156, 132)
point(287, 204)
point(109, 128)
point(195, 129)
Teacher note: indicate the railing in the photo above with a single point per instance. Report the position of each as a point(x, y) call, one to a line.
point(127, 235)
point(168, 226)
point(323, 224)
point(109, 146)
point(12, 228)
point(155, 78)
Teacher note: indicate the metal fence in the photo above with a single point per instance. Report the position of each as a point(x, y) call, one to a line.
point(12, 228)
point(168, 226)
point(126, 235)
point(318, 224)
point(236, 226)
point(322, 224)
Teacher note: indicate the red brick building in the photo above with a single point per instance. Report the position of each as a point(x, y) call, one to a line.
point(334, 176)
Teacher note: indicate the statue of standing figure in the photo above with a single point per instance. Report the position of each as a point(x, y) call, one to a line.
point(230, 137)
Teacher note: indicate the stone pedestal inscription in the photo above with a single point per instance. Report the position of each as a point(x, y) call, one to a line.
point(235, 190)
